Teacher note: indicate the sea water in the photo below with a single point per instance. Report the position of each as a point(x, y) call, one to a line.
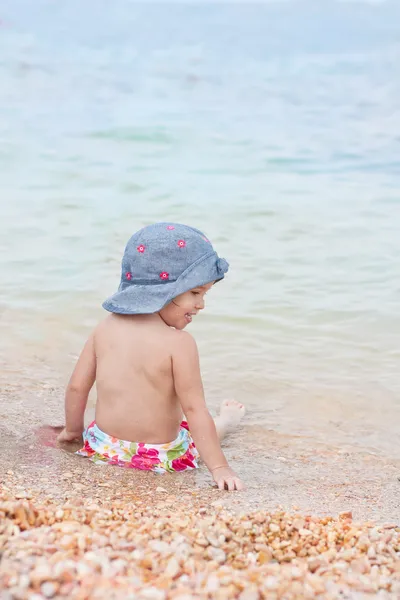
point(275, 128)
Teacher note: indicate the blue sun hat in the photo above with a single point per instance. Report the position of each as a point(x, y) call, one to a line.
point(161, 262)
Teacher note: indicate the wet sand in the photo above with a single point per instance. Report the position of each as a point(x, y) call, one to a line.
point(279, 470)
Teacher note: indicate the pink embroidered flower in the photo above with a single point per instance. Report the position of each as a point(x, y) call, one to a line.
point(128, 276)
point(141, 248)
point(164, 275)
point(170, 227)
point(181, 243)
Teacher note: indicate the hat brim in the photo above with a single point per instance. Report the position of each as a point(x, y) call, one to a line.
point(148, 299)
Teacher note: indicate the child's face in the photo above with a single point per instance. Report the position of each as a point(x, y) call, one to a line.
point(183, 308)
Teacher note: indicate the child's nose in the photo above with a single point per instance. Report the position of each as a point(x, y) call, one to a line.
point(200, 304)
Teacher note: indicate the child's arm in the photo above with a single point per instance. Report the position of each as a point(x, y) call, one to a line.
point(76, 396)
point(189, 389)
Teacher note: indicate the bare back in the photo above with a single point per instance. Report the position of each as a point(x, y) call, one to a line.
point(136, 399)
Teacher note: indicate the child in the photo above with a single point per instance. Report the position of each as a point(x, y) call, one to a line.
point(146, 367)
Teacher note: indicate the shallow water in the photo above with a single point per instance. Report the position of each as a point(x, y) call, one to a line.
point(275, 129)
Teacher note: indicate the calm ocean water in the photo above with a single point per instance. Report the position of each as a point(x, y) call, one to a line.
point(273, 127)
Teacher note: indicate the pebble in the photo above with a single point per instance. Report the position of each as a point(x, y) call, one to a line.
point(40, 573)
point(48, 589)
point(152, 594)
point(23, 496)
point(249, 595)
point(346, 515)
point(216, 554)
point(271, 583)
point(305, 532)
point(212, 584)
point(173, 568)
point(135, 549)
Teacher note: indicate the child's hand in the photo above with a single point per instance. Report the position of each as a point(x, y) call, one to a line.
point(69, 436)
point(225, 478)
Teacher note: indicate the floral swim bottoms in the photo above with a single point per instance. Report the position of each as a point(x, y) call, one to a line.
point(179, 455)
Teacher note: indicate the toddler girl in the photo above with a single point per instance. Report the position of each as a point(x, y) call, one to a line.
point(146, 367)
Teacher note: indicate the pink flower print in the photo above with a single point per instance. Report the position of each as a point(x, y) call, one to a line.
point(184, 462)
point(145, 459)
point(128, 276)
point(150, 452)
point(143, 463)
point(141, 248)
point(164, 275)
point(115, 461)
point(181, 243)
point(170, 227)
point(87, 449)
point(178, 465)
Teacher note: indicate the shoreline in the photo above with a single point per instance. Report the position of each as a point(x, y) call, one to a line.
point(279, 470)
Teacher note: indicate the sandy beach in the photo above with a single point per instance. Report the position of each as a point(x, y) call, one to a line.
point(272, 127)
point(316, 521)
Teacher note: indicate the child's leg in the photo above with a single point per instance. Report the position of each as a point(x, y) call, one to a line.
point(230, 415)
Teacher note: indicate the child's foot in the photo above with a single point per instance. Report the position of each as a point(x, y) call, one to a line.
point(231, 413)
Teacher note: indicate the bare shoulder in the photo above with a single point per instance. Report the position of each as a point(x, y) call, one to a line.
point(184, 347)
point(101, 332)
point(105, 325)
point(183, 340)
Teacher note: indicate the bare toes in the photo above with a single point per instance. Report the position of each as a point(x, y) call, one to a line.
point(232, 407)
